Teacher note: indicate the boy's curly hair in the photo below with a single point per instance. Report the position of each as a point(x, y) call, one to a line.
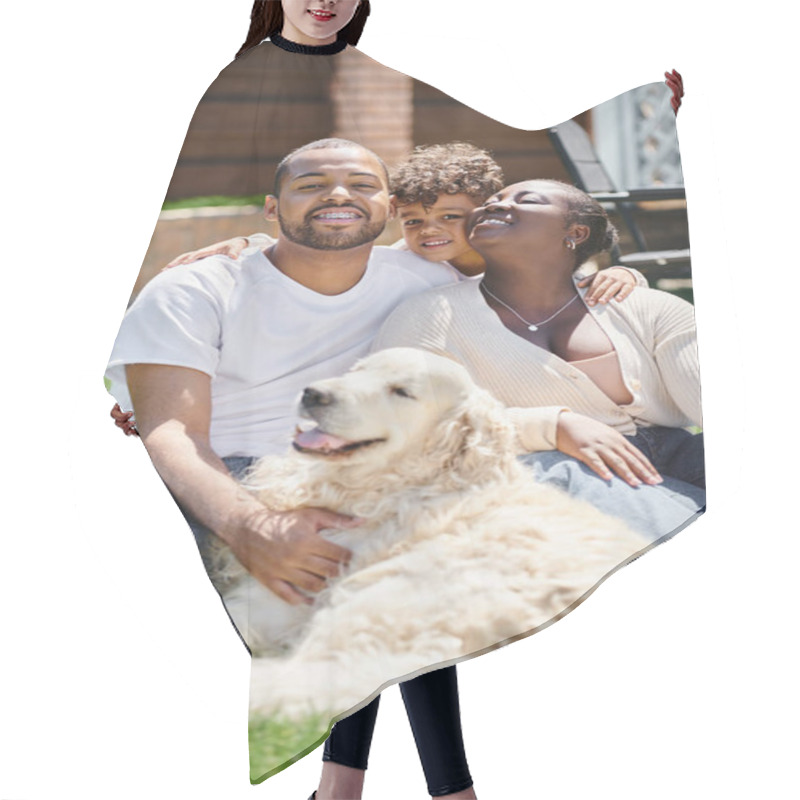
point(455, 168)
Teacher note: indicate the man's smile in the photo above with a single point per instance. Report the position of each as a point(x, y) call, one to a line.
point(337, 215)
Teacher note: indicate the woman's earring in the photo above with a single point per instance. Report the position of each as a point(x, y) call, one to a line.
point(569, 242)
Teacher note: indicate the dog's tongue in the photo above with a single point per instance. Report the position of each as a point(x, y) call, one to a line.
point(316, 439)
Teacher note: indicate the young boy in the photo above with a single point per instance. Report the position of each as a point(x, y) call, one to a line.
point(433, 194)
point(435, 191)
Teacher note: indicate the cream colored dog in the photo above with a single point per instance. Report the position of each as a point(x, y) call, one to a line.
point(460, 549)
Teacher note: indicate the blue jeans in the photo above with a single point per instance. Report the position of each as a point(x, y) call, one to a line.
point(657, 512)
point(237, 465)
point(202, 535)
point(674, 452)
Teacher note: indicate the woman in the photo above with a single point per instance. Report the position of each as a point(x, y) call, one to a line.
point(525, 333)
point(304, 38)
point(432, 699)
point(303, 23)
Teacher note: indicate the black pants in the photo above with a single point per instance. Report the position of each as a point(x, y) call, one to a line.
point(431, 702)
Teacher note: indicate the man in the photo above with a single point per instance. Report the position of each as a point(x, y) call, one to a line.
point(214, 356)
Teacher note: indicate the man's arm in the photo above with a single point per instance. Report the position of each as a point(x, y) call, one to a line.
point(283, 550)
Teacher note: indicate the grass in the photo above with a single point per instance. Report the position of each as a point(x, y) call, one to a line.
point(277, 743)
point(214, 200)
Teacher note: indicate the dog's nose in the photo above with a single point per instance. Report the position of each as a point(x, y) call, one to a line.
point(313, 397)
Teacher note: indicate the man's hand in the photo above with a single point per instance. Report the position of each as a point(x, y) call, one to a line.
point(284, 551)
point(614, 283)
point(603, 449)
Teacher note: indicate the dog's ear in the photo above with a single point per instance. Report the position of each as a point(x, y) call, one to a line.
point(476, 442)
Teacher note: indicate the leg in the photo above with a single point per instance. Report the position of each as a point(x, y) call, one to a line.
point(204, 537)
point(345, 755)
point(237, 465)
point(433, 710)
point(674, 452)
point(657, 512)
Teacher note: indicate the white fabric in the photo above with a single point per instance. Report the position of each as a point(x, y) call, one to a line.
point(640, 279)
point(653, 334)
point(261, 336)
point(263, 240)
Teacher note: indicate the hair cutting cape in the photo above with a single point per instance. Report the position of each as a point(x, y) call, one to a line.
point(418, 613)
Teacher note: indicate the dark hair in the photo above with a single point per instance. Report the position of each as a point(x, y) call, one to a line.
point(266, 19)
point(582, 209)
point(321, 144)
point(455, 168)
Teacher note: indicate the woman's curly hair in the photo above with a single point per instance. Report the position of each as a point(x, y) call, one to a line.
point(455, 168)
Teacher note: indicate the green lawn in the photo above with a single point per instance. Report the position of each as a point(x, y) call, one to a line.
point(277, 743)
point(214, 200)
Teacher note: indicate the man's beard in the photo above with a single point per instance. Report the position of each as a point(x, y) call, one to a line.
point(304, 233)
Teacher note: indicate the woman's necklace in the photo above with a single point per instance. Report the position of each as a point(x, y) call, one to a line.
point(532, 326)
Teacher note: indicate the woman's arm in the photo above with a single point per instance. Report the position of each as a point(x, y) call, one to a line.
point(231, 248)
point(675, 354)
point(124, 420)
point(600, 447)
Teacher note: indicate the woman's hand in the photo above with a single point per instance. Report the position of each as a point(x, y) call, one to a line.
point(124, 420)
point(232, 248)
point(614, 283)
point(675, 83)
point(603, 450)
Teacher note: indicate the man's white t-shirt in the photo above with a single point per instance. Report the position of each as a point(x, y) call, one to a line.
point(261, 336)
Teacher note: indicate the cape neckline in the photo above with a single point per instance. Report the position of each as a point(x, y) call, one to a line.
point(309, 49)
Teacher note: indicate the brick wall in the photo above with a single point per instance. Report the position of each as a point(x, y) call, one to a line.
point(246, 123)
point(178, 232)
point(373, 105)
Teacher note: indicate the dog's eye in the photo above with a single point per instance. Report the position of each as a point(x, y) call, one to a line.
point(400, 391)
